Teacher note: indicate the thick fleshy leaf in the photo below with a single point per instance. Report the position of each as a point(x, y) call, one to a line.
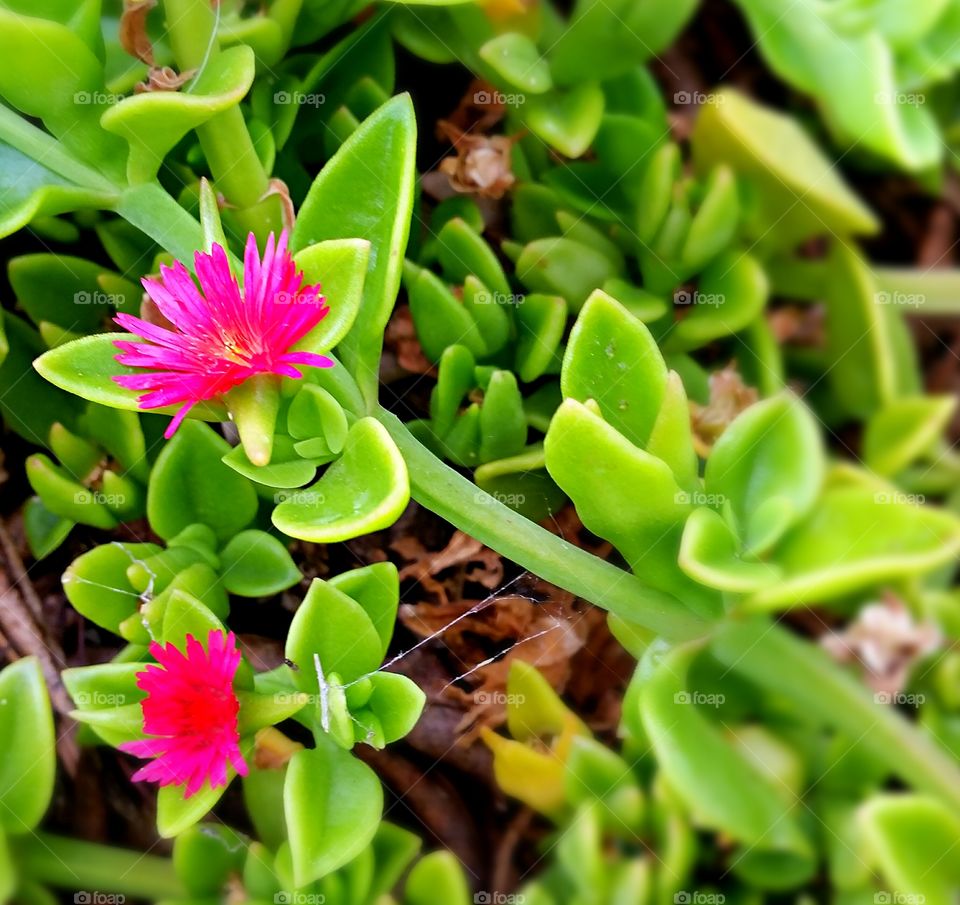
point(340, 267)
point(29, 190)
point(97, 586)
point(722, 789)
point(366, 191)
point(768, 466)
point(565, 267)
point(566, 120)
point(437, 877)
point(710, 554)
point(365, 490)
point(904, 430)
point(190, 484)
point(334, 627)
point(612, 359)
point(910, 838)
point(30, 758)
point(154, 121)
point(332, 803)
point(256, 564)
point(517, 61)
point(732, 292)
point(795, 187)
point(855, 537)
point(86, 367)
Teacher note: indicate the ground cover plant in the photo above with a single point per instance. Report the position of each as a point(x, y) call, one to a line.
point(491, 451)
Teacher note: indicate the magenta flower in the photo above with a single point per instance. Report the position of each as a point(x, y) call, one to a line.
point(221, 336)
point(191, 710)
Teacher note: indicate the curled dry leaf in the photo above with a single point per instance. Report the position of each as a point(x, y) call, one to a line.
point(729, 396)
point(133, 29)
point(164, 78)
point(480, 164)
point(886, 641)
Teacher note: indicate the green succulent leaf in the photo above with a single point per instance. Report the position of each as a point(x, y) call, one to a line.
point(332, 803)
point(366, 191)
point(190, 484)
point(154, 122)
point(769, 466)
point(256, 564)
point(29, 764)
point(364, 490)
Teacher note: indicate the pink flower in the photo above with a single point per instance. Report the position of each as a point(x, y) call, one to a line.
point(191, 710)
point(221, 336)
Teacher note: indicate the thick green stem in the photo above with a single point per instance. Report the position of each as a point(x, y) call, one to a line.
point(225, 139)
point(801, 672)
point(464, 505)
point(72, 864)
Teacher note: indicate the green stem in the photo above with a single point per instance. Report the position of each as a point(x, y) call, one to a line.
point(39, 145)
point(225, 139)
point(801, 672)
point(72, 864)
point(464, 505)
